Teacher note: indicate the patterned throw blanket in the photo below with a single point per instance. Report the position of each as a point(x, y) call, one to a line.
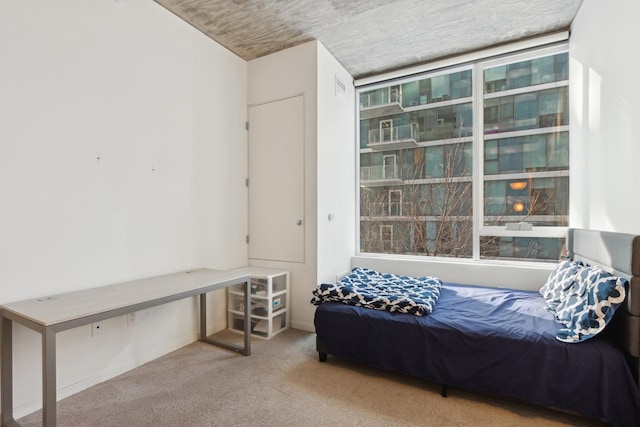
point(382, 291)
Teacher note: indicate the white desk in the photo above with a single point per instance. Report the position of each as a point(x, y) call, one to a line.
point(50, 315)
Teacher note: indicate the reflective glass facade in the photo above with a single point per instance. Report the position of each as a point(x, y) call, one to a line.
point(526, 174)
point(521, 248)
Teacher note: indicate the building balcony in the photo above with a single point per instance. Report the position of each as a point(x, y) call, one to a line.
point(372, 176)
point(381, 102)
point(377, 210)
point(394, 138)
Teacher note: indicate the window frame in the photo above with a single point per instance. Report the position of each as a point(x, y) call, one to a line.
point(477, 99)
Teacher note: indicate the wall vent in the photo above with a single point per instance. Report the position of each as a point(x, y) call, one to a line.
point(340, 87)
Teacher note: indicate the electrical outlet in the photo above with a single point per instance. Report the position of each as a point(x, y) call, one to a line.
point(96, 329)
point(131, 318)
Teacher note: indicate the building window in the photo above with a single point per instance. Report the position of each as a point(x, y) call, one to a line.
point(421, 138)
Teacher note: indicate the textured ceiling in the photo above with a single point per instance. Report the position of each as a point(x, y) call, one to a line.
point(373, 36)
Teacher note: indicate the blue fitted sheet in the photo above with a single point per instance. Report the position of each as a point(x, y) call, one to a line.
point(489, 339)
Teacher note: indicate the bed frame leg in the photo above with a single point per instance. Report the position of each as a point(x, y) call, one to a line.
point(322, 352)
point(444, 391)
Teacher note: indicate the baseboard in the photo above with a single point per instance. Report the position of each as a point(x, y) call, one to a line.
point(309, 327)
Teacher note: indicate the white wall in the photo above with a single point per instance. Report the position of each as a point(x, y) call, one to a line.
point(499, 274)
point(277, 76)
point(336, 169)
point(605, 101)
point(310, 69)
point(122, 155)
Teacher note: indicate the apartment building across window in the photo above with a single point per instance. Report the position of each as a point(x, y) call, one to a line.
point(420, 138)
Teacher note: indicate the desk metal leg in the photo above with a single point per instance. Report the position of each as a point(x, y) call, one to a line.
point(202, 334)
point(49, 400)
point(246, 350)
point(6, 373)
point(247, 318)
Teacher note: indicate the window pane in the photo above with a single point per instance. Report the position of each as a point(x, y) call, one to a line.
point(539, 201)
point(364, 130)
point(526, 174)
point(528, 153)
point(526, 111)
point(437, 89)
point(434, 167)
point(416, 166)
point(537, 71)
point(557, 146)
point(521, 248)
point(448, 122)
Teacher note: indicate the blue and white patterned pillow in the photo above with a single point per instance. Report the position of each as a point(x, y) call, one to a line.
point(589, 304)
point(559, 282)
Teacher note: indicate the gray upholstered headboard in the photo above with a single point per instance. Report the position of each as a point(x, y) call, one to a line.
point(618, 253)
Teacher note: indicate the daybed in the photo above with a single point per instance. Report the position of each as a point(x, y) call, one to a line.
point(504, 341)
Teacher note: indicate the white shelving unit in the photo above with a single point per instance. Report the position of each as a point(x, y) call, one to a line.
point(269, 303)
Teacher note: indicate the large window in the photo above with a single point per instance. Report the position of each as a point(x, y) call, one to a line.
point(471, 162)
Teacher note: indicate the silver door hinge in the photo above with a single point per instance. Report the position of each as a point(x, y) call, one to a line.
point(247, 238)
point(246, 182)
point(246, 125)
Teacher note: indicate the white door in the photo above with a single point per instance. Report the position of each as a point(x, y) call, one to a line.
point(276, 180)
point(386, 130)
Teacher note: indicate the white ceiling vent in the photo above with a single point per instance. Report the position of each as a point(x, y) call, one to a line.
point(340, 87)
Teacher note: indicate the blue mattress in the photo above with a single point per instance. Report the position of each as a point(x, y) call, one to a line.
point(493, 340)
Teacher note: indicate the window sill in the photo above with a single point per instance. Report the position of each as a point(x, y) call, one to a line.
point(505, 274)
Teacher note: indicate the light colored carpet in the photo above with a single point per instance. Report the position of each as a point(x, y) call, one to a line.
point(283, 384)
